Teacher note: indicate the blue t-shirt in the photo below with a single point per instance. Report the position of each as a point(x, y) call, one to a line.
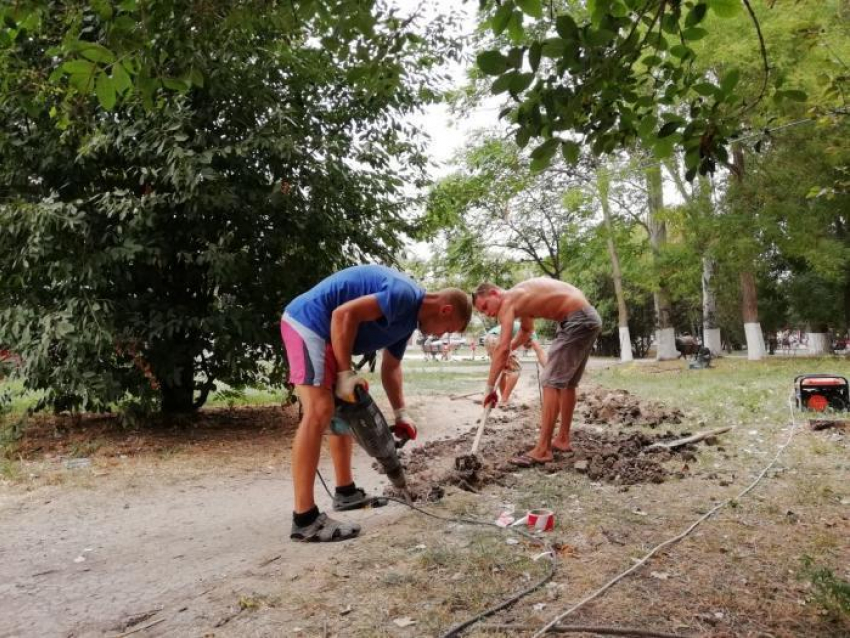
point(398, 296)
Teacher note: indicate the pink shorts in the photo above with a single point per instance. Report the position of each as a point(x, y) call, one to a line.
point(311, 358)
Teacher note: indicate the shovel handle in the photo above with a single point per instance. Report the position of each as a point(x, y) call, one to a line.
point(483, 421)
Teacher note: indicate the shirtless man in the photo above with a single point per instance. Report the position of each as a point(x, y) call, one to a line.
point(579, 325)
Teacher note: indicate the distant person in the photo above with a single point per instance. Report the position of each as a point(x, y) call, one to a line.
point(446, 344)
point(579, 325)
point(355, 311)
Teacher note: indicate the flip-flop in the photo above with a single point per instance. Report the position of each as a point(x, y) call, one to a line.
point(524, 460)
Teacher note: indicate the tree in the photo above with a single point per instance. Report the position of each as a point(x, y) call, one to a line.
point(603, 189)
point(152, 228)
point(497, 202)
point(804, 234)
point(615, 72)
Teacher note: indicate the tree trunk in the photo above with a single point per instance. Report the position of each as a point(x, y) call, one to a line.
point(847, 300)
point(665, 334)
point(750, 312)
point(622, 310)
point(710, 331)
point(178, 389)
point(749, 295)
point(818, 339)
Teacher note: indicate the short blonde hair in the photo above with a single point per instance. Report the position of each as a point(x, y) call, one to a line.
point(483, 289)
point(460, 303)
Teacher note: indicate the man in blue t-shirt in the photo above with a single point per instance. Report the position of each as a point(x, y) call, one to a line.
point(358, 310)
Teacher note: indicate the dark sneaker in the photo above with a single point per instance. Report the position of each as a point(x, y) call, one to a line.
point(357, 501)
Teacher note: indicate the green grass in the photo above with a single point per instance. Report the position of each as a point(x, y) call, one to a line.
point(733, 391)
point(20, 400)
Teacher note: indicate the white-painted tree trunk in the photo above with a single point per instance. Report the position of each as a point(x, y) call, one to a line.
point(710, 331)
point(755, 341)
point(819, 343)
point(603, 184)
point(711, 340)
point(665, 344)
point(625, 345)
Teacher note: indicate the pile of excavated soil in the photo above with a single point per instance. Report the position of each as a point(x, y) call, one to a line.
point(613, 457)
point(604, 406)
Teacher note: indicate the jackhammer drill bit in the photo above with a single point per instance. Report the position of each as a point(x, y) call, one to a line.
point(372, 432)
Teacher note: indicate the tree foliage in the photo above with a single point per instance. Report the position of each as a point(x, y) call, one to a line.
point(607, 74)
point(149, 239)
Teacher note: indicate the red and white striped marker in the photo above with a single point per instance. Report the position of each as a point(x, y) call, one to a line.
point(541, 519)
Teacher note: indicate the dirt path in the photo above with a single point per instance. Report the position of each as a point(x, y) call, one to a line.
point(102, 552)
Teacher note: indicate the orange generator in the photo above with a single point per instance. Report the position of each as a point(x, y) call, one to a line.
point(818, 392)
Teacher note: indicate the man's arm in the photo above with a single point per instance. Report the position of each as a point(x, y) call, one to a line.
point(526, 327)
point(403, 428)
point(345, 320)
point(392, 379)
point(538, 350)
point(503, 348)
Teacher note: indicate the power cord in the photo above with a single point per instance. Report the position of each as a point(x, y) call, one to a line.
point(551, 626)
point(549, 552)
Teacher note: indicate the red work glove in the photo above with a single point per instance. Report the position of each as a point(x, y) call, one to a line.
point(404, 429)
point(491, 397)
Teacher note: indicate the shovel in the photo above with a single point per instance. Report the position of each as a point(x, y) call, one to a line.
point(469, 462)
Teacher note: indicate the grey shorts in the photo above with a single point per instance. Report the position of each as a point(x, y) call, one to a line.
point(571, 348)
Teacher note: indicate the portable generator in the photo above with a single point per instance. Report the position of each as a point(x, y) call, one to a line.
point(817, 392)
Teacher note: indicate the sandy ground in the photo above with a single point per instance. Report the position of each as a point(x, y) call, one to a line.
point(188, 536)
point(94, 554)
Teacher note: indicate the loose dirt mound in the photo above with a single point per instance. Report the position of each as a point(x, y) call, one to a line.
point(604, 406)
point(619, 458)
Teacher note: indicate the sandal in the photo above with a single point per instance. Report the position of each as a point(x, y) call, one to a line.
point(357, 501)
point(324, 530)
point(526, 461)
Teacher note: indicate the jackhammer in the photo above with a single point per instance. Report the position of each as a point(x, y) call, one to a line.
point(371, 430)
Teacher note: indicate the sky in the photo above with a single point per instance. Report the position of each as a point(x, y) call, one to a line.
point(447, 131)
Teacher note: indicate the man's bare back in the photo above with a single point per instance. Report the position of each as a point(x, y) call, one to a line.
point(543, 298)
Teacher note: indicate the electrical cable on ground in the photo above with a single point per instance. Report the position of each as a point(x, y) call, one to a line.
point(634, 632)
point(549, 552)
point(551, 625)
point(554, 626)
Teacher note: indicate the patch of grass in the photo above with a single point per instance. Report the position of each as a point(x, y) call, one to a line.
point(10, 470)
point(437, 382)
point(733, 390)
point(253, 602)
point(440, 557)
point(14, 399)
point(85, 449)
point(169, 452)
point(829, 591)
point(226, 396)
point(11, 434)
